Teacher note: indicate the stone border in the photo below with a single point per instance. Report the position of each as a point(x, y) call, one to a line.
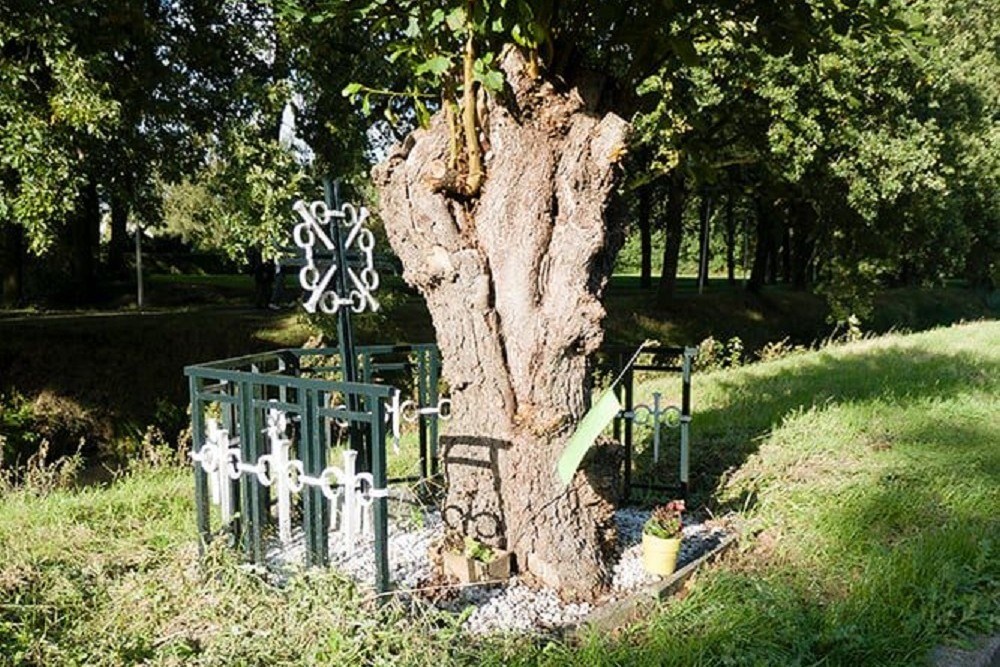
point(614, 615)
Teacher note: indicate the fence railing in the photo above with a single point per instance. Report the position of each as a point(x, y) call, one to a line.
point(265, 426)
point(657, 415)
point(262, 431)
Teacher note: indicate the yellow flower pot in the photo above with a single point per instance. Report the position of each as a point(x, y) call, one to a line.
point(659, 555)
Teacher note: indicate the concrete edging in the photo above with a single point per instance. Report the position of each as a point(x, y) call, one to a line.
point(622, 612)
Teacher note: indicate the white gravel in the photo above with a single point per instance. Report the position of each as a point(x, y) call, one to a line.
point(512, 606)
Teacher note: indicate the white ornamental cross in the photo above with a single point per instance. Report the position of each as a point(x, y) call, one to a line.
point(359, 244)
point(669, 416)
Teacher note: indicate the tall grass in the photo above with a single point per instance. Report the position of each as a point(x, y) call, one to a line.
point(868, 476)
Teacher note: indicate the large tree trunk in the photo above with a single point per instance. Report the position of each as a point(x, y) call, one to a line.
point(674, 224)
point(646, 236)
point(512, 280)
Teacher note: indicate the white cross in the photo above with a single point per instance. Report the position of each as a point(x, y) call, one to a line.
point(315, 218)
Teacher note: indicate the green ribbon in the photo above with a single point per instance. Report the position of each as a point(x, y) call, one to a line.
point(593, 423)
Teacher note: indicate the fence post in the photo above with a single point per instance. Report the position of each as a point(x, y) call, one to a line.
point(629, 409)
point(432, 395)
point(689, 353)
point(380, 492)
point(200, 476)
point(306, 454)
point(236, 519)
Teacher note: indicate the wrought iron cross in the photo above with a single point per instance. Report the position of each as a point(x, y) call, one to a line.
point(337, 272)
point(338, 275)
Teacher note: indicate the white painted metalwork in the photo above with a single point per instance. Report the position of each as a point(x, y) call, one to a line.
point(349, 492)
point(215, 458)
point(399, 411)
point(669, 416)
point(317, 219)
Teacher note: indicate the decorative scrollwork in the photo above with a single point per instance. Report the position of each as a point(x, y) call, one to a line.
point(349, 493)
point(311, 235)
point(669, 416)
point(410, 411)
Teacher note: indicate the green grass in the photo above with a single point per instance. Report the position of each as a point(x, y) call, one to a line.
point(868, 477)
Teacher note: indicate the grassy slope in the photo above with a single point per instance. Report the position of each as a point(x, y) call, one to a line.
point(871, 471)
point(873, 474)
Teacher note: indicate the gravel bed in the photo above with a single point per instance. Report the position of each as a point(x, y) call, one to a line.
point(511, 606)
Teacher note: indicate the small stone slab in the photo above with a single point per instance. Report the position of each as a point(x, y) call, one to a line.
point(617, 614)
point(984, 653)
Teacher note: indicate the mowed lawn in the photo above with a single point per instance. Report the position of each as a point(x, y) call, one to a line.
point(867, 476)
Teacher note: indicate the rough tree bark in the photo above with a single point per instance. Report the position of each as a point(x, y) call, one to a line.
point(512, 279)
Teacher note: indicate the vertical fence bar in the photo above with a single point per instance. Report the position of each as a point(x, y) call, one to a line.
point(305, 452)
point(247, 492)
point(229, 412)
point(321, 515)
point(689, 353)
point(380, 509)
point(422, 421)
point(200, 476)
point(628, 382)
point(262, 494)
point(432, 399)
point(617, 432)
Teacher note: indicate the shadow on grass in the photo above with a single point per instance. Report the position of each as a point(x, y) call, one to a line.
point(758, 399)
point(872, 569)
point(125, 369)
point(724, 311)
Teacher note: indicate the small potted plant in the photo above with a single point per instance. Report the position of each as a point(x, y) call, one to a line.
point(477, 562)
point(661, 538)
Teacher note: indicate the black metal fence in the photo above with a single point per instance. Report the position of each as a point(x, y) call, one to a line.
point(654, 361)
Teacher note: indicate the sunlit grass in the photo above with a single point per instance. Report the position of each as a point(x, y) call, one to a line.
point(868, 477)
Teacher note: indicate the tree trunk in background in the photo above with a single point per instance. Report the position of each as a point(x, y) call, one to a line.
point(646, 235)
point(120, 240)
point(674, 225)
point(773, 244)
point(762, 248)
point(513, 281)
point(11, 264)
point(786, 253)
point(704, 247)
point(731, 239)
point(84, 233)
point(981, 263)
point(803, 242)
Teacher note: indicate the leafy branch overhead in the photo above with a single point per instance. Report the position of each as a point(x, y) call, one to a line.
point(445, 55)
